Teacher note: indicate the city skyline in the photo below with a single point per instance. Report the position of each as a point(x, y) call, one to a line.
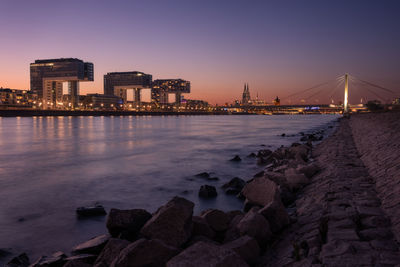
point(276, 48)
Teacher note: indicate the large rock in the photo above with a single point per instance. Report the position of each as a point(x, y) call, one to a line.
point(57, 259)
point(97, 210)
point(126, 224)
point(207, 191)
point(298, 152)
point(92, 246)
point(232, 233)
point(110, 252)
point(145, 253)
point(247, 247)
point(216, 219)
point(295, 180)
point(276, 215)
point(201, 228)
point(21, 260)
point(172, 223)
point(82, 260)
point(234, 186)
point(309, 170)
point(255, 225)
point(206, 254)
point(261, 191)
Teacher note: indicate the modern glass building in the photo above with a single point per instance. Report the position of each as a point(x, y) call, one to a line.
point(162, 88)
point(117, 84)
point(48, 76)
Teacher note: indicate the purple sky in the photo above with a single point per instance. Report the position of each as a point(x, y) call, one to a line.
point(278, 47)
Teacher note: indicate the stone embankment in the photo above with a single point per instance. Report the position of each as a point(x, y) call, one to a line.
point(309, 207)
point(377, 137)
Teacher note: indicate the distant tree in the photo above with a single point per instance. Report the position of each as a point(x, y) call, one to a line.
point(374, 105)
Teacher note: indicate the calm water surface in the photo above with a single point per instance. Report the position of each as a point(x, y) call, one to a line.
point(50, 166)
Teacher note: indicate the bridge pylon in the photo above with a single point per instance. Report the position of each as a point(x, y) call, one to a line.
point(346, 94)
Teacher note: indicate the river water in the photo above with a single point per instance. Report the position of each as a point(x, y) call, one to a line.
point(49, 166)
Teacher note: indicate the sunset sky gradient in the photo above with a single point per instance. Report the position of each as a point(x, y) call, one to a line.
point(278, 47)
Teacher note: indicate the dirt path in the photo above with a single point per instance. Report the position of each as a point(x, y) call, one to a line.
point(340, 221)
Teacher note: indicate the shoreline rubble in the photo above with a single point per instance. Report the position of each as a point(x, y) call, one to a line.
point(311, 206)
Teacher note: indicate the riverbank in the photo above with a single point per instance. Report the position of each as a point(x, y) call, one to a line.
point(311, 206)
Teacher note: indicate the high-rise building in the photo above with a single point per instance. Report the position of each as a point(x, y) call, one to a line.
point(48, 76)
point(117, 84)
point(246, 95)
point(162, 88)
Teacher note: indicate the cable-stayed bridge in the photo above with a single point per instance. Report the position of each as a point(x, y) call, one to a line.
point(341, 94)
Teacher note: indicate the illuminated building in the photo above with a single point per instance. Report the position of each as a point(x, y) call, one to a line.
point(162, 88)
point(48, 76)
point(117, 84)
point(18, 98)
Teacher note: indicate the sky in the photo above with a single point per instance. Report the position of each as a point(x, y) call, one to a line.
point(278, 47)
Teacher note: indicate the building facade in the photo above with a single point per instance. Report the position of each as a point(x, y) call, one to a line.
point(18, 98)
point(48, 76)
point(162, 88)
point(117, 84)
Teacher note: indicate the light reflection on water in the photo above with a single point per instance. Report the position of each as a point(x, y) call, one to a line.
point(51, 165)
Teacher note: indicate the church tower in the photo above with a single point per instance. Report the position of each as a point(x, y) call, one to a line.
point(246, 95)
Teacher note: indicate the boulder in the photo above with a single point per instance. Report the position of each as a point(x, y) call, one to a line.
point(259, 174)
point(276, 215)
point(216, 219)
point(208, 191)
point(197, 238)
point(57, 259)
point(172, 223)
point(247, 248)
point(251, 155)
point(82, 260)
point(236, 158)
point(295, 180)
point(277, 177)
point(232, 233)
point(203, 175)
point(309, 170)
point(201, 228)
point(21, 260)
point(126, 224)
point(92, 246)
point(206, 254)
point(255, 225)
point(263, 153)
point(234, 186)
point(145, 253)
point(233, 213)
point(298, 151)
point(97, 210)
point(110, 252)
point(261, 191)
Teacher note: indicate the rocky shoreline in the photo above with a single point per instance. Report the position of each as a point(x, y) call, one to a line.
point(311, 206)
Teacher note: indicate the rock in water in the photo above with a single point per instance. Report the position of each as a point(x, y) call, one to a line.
point(92, 246)
point(97, 210)
point(261, 191)
point(234, 186)
point(206, 254)
point(172, 223)
point(207, 191)
point(236, 158)
point(126, 224)
point(145, 253)
point(110, 252)
point(21, 260)
point(203, 175)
